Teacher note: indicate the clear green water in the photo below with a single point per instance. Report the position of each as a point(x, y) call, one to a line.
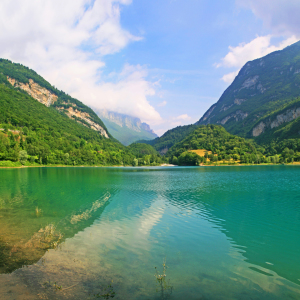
point(225, 232)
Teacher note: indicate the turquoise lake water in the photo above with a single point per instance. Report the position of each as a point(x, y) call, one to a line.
point(81, 233)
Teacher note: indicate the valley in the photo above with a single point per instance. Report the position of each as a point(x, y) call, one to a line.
point(260, 110)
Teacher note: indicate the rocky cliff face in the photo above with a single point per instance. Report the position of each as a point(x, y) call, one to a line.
point(259, 129)
point(237, 116)
point(125, 121)
point(47, 98)
point(35, 91)
point(287, 116)
point(72, 112)
point(126, 129)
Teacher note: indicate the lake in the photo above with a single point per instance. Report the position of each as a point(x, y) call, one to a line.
point(90, 233)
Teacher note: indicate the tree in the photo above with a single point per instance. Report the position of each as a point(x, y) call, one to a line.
point(66, 157)
point(175, 160)
point(135, 162)
point(23, 156)
point(189, 159)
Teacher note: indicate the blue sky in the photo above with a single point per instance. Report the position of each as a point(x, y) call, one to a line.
point(182, 42)
point(165, 61)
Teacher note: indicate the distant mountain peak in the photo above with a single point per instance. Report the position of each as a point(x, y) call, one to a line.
point(127, 129)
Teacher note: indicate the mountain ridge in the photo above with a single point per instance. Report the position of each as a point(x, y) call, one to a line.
point(22, 78)
point(262, 86)
point(125, 128)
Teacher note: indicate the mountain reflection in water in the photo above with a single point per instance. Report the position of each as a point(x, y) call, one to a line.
point(40, 209)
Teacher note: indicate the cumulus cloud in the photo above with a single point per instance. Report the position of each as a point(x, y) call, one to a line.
point(128, 95)
point(228, 78)
point(244, 52)
point(164, 125)
point(281, 16)
point(65, 42)
point(184, 117)
point(161, 104)
point(259, 47)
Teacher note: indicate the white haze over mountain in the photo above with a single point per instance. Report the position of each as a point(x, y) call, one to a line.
point(64, 41)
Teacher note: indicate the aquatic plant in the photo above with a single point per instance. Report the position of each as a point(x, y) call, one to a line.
point(38, 212)
point(164, 286)
point(49, 284)
point(108, 293)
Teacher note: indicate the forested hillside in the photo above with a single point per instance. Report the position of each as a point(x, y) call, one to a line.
point(216, 139)
point(40, 125)
point(225, 147)
point(32, 132)
point(146, 154)
point(22, 78)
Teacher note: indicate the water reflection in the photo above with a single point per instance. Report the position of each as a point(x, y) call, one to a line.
point(227, 233)
point(41, 208)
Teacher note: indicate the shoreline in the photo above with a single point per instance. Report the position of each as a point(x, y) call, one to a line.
point(83, 166)
point(162, 165)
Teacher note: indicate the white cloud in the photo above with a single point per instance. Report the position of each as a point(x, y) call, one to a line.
point(240, 55)
point(259, 47)
point(281, 16)
point(161, 104)
point(128, 95)
point(65, 41)
point(164, 125)
point(228, 78)
point(184, 117)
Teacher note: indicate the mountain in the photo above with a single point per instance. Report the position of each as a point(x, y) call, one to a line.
point(168, 139)
point(25, 79)
point(262, 99)
point(124, 128)
point(43, 125)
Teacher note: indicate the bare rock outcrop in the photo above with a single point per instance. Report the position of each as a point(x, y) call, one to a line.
point(163, 151)
point(35, 91)
point(123, 120)
point(250, 82)
point(238, 116)
point(261, 88)
point(239, 101)
point(287, 116)
point(71, 112)
point(208, 113)
point(223, 121)
point(259, 129)
point(47, 98)
point(224, 108)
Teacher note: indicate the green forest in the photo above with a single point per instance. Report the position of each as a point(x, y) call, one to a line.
point(171, 137)
point(230, 149)
point(146, 155)
point(32, 134)
point(23, 74)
